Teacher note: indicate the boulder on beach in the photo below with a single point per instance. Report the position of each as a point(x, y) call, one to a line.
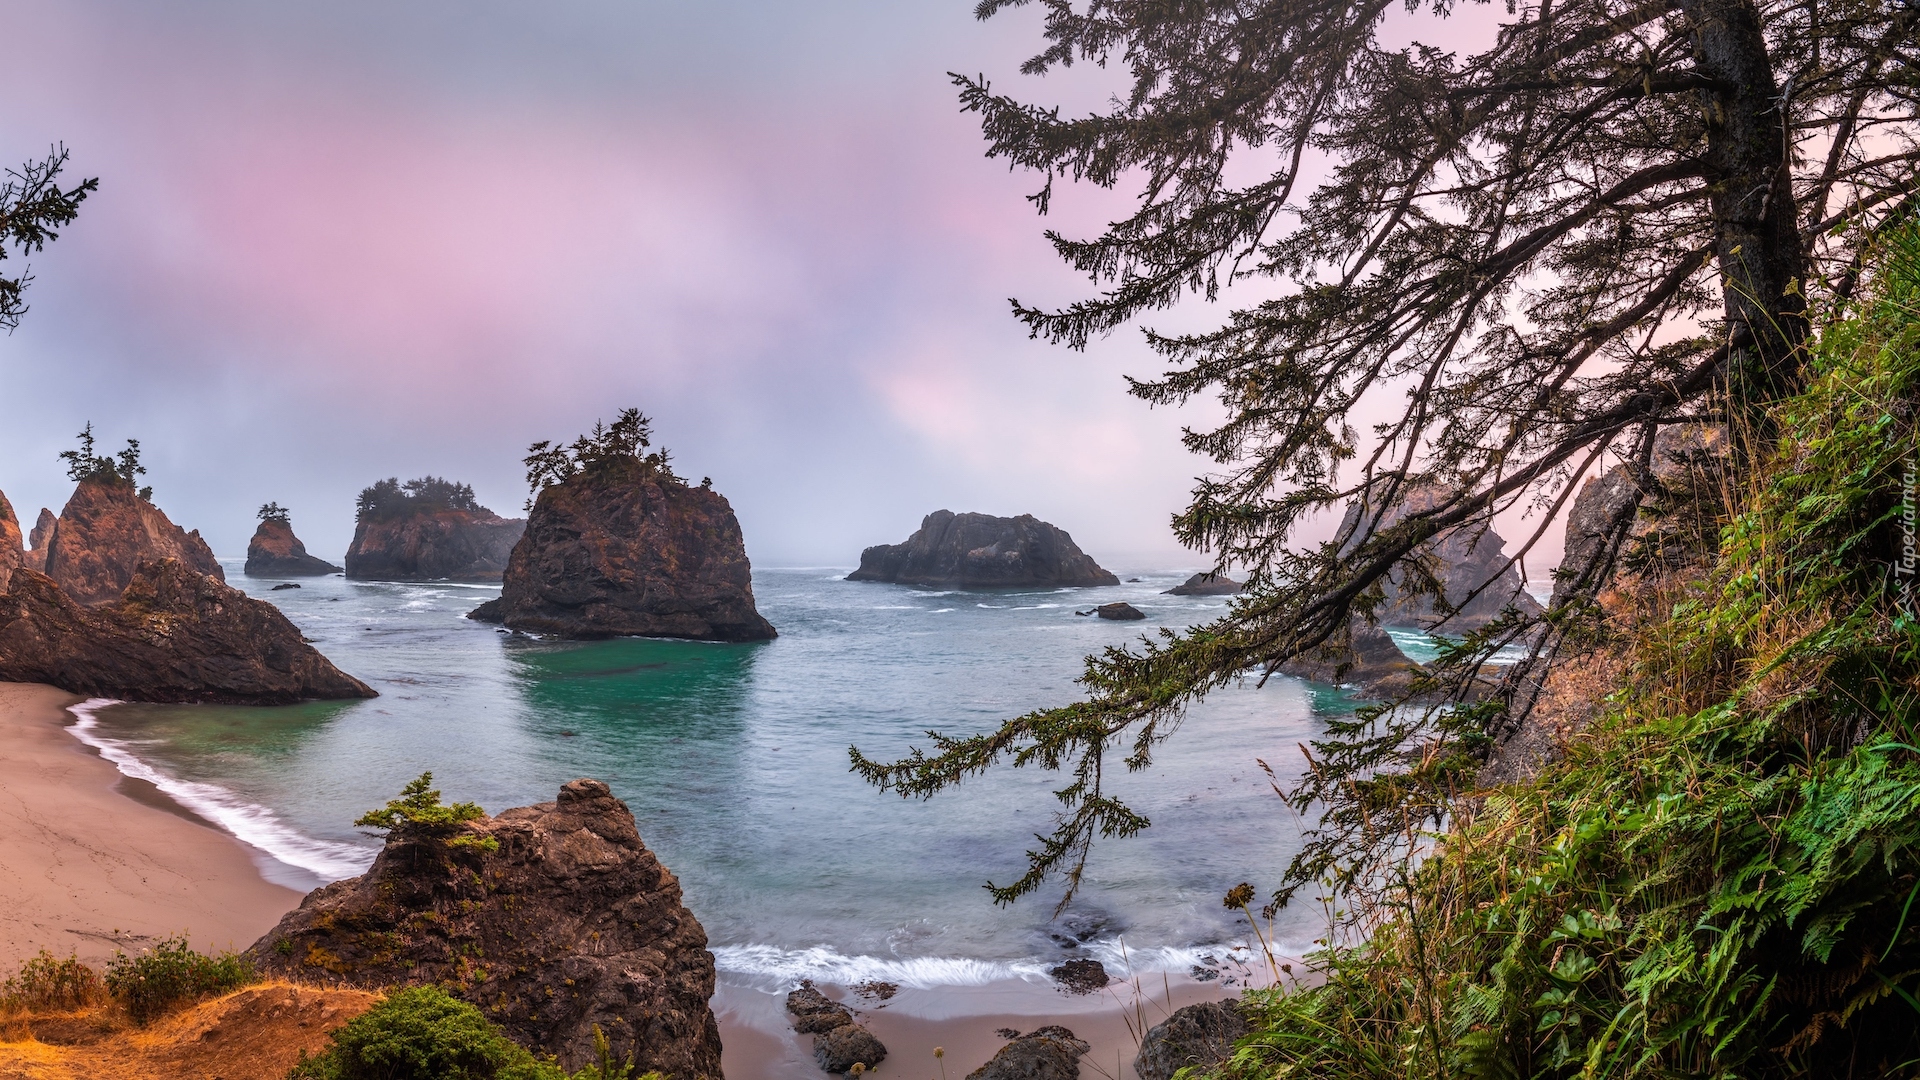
point(173, 635)
point(620, 548)
point(107, 532)
point(428, 529)
point(554, 920)
point(275, 552)
point(839, 1041)
point(979, 551)
point(1198, 1036)
point(1463, 560)
point(1051, 1053)
point(1206, 584)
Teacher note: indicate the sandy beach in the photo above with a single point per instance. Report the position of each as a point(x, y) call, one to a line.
point(91, 861)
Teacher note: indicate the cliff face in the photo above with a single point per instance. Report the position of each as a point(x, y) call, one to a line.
point(173, 635)
point(275, 552)
point(1463, 560)
point(107, 532)
point(437, 545)
point(617, 551)
point(12, 551)
point(1368, 660)
point(570, 923)
point(978, 551)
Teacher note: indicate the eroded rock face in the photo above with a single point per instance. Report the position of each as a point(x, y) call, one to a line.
point(35, 557)
point(979, 551)
point(1051, 1053)
point(1206, 585)
point(1199, 1036)
point(570, 923)
point(275, 552)
point(1463, 559)
point(174, 635)
point(622, 551)
point(107, 532)
point(12, 550)
point(435, 545)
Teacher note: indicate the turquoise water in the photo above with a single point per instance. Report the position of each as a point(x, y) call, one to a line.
point(734, 760)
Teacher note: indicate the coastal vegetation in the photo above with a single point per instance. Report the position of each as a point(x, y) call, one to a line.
point(609, 446)
point(124, 468)
point(420, 813)
point(390, 500)
point(33, 208)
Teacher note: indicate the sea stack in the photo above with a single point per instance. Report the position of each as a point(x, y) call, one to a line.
point(107, 532)
point(979, 551)
point(1206, 585)
point(619, 546)
point(275, 552)
point(12, 550)
point(428, 529)
point(1464, 559)
point(555, 920)
point(175, 634)
point(35, 557)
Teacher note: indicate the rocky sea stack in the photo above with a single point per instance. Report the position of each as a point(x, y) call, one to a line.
point(173, 635)
point(107, 532)
point(979, 551)
point(1206, 585)
point(1463, 559)
point(617, 545)
point(12, 548)
point(553, 919)
point(36, 554)
point(275, 552)
point(428, 529)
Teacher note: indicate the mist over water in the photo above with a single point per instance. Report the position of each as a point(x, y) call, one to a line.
point(734, 760)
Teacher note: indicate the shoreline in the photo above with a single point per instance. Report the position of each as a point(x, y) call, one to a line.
point(91, 864)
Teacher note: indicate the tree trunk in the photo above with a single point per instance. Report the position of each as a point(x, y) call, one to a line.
point(1762, 258)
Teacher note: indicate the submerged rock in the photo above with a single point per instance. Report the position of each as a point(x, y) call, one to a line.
point(1206, 585)
point(1081, 976)
point(275, 552)
point(107, 532)
point(978, 551)
point(173, 635)
point(1463, 560)
point(625, 550)
point(428, 530)
point(1198, 1036)
point(1051, 1053)
point(568, 925)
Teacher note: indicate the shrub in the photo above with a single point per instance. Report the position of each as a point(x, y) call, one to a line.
point(51, 985)
point(172, 974)
point(418, 812)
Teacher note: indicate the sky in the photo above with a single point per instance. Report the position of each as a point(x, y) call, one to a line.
point(338, 242)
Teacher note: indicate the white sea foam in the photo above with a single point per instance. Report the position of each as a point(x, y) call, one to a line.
point(249, 822)
point(780, 967)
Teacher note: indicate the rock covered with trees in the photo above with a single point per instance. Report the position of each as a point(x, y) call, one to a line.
point(275, 551)
point(428, 529)
point(980, 551)
point(110, 528)
point(554, 919)
point(616, 544)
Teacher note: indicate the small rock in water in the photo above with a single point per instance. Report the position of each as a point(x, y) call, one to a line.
point(1123, 611)
point(1080, 976)
point(1051, 1053)
point(874, 989)
point(1198, 1035)
point(285, 585)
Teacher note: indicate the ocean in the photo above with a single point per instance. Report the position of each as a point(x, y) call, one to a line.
point(734, 759)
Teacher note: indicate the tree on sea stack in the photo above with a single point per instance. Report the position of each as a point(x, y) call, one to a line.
point(618, 544)
point(84, 465)
point(1605, 220)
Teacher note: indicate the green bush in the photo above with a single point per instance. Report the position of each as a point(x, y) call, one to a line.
point(52, 985)
point(172, 974)
point(422, 1033)
point(418, 812)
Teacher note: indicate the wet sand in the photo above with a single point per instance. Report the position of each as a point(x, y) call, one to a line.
point(91, 861)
